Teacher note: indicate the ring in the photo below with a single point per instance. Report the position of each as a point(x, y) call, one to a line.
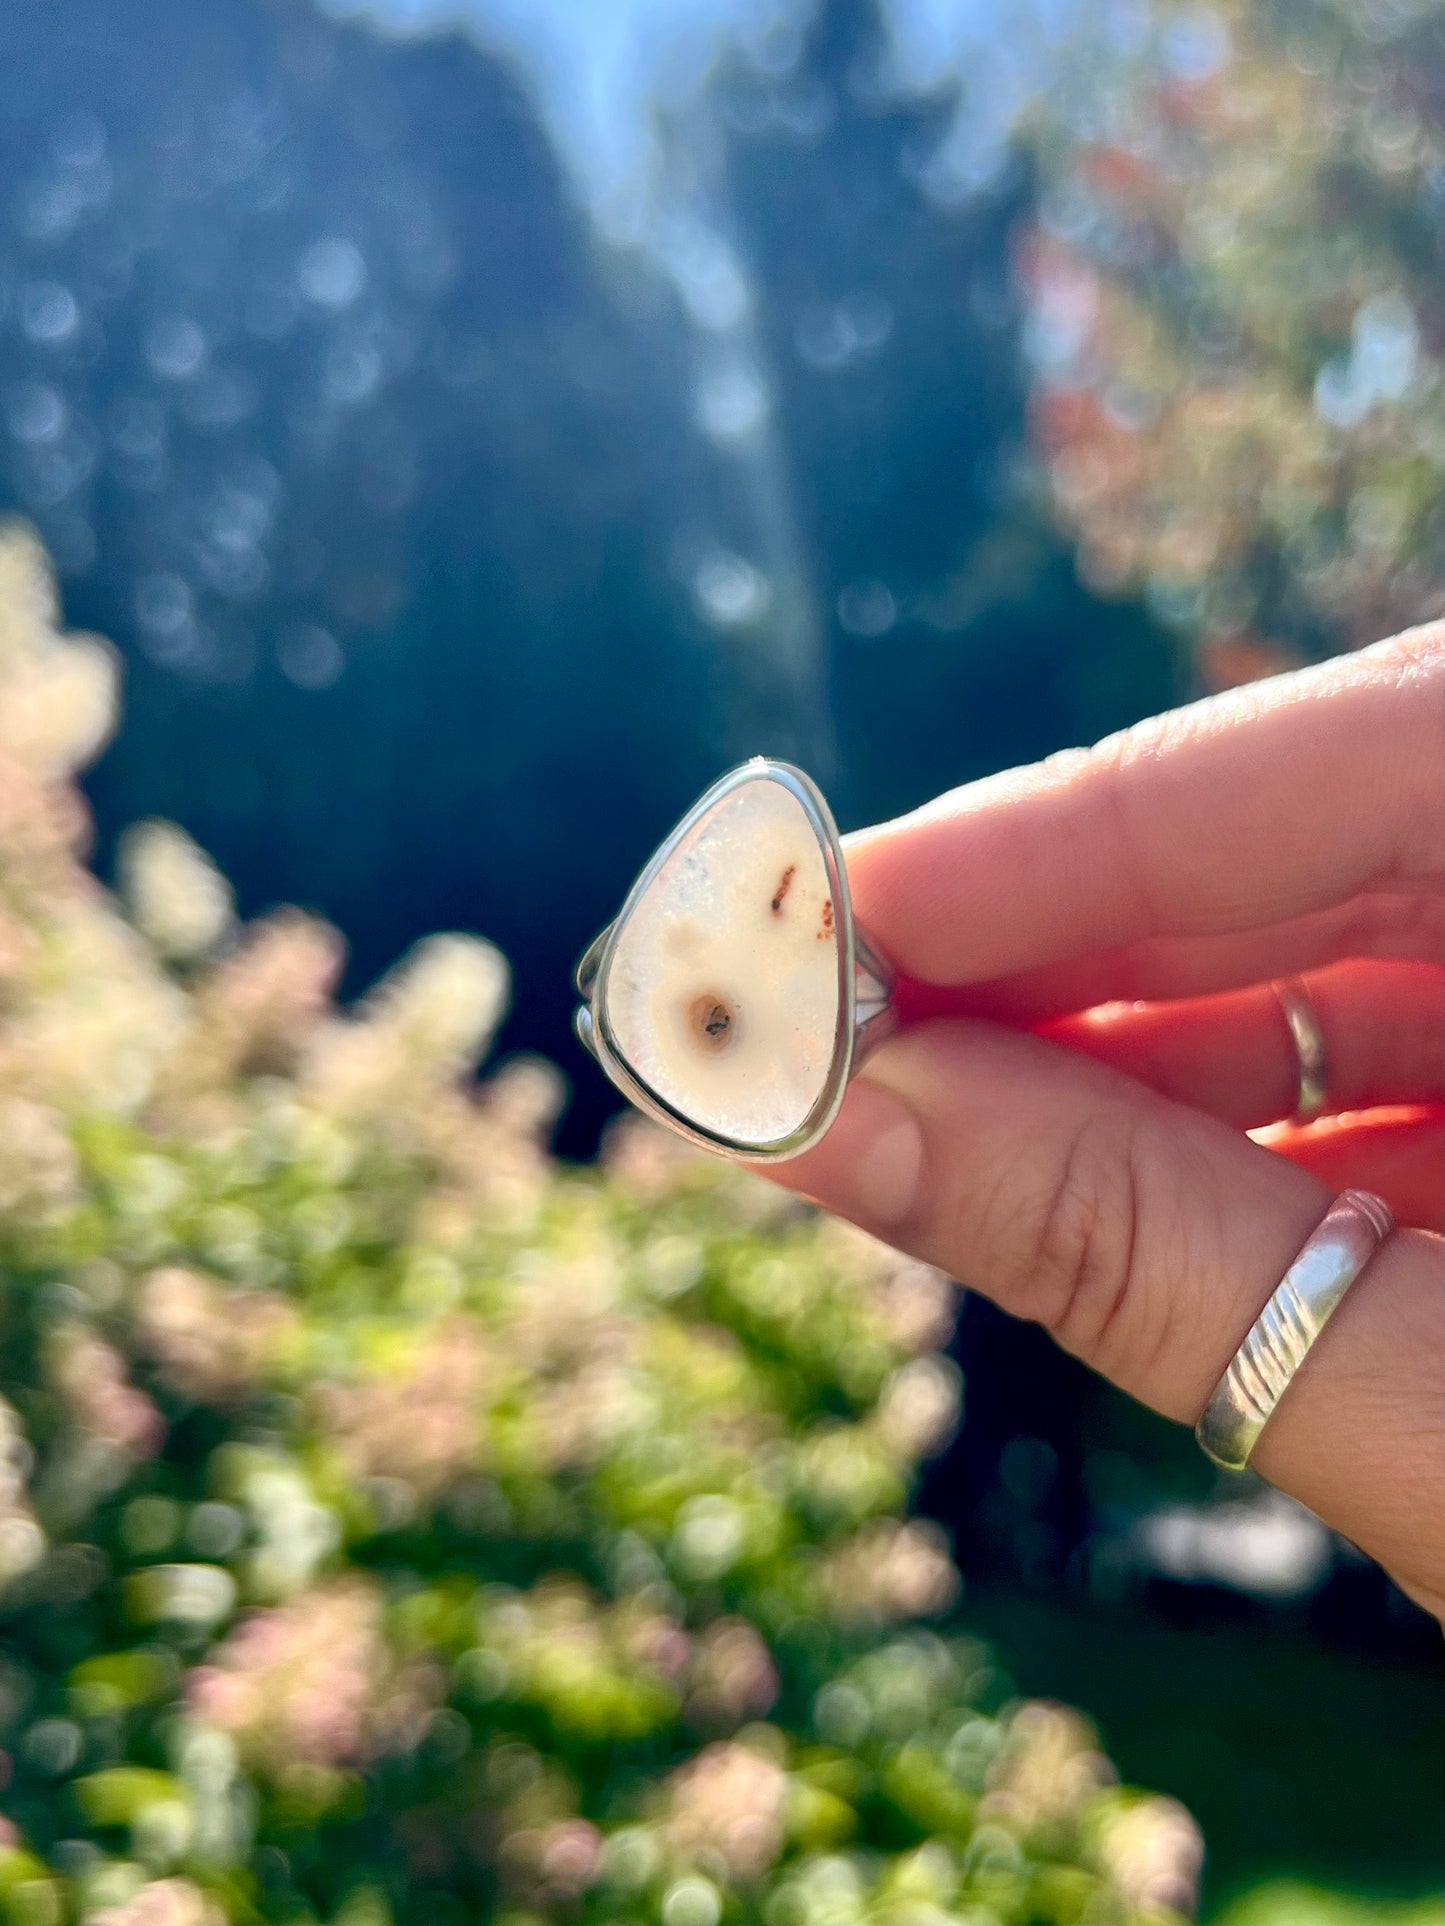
point(733, 996)
point(1353, 1229)
point(1308, 1037)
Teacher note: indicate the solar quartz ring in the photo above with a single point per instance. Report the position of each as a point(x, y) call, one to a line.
point(734, 997)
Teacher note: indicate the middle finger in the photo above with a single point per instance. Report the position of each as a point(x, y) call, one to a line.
point(1400, 925)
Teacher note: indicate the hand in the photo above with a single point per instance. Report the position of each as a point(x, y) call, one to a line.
point(1085, 951)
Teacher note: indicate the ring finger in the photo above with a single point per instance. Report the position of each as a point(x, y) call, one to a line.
point(1233, 1055)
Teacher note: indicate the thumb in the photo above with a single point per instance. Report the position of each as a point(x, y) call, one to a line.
point(1146, 1237)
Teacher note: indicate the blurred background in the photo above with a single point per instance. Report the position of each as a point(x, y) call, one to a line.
point(479, 422)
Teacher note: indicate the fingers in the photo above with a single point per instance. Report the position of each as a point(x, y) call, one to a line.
point(1357, 1436)
point(1145, 1236)
point(1392, 926)
point(1266, 804)
point(1383, 1026)
point(1398, 1153)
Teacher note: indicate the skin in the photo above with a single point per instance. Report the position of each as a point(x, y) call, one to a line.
point(1085, 950)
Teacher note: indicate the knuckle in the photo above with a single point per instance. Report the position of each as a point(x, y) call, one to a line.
point(1119, 780)
point(1079, 1250)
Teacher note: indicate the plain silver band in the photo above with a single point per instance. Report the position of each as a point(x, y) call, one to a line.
point(1354, 1227)
point(874, 1017)
point(1311, 1059)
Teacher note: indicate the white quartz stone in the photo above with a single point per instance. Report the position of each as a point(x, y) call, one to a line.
point(722, 991)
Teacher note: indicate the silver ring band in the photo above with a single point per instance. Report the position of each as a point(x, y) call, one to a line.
point(1353, 1229)
point(1311, 1058)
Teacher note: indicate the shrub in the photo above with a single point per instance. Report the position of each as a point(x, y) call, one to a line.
point(396, 1524)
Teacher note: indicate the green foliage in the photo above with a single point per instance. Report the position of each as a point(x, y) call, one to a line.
point(396, 1525)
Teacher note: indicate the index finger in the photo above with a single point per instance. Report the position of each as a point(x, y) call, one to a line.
point(1267, 803)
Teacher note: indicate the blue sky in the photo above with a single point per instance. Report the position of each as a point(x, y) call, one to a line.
point(596, 65)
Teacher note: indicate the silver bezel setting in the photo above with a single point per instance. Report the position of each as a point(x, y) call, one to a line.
point(864, 982)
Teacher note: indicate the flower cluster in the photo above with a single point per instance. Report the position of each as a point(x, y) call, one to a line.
point(311, 1682)
point(396, 1524)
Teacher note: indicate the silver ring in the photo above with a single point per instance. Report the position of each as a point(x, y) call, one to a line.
point(1306, 1034)
point(1353, 1229)
point(733, 996)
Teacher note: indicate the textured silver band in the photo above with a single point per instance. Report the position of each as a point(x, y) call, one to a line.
point(1353, 1229)
point(1311, 1058)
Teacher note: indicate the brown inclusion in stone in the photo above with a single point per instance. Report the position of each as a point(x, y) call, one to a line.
point(712, 1021)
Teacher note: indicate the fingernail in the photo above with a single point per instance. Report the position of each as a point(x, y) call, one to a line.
point(889, 1172)
point(870, 1165)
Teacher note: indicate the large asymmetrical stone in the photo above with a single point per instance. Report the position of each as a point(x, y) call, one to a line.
point(722, 991)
